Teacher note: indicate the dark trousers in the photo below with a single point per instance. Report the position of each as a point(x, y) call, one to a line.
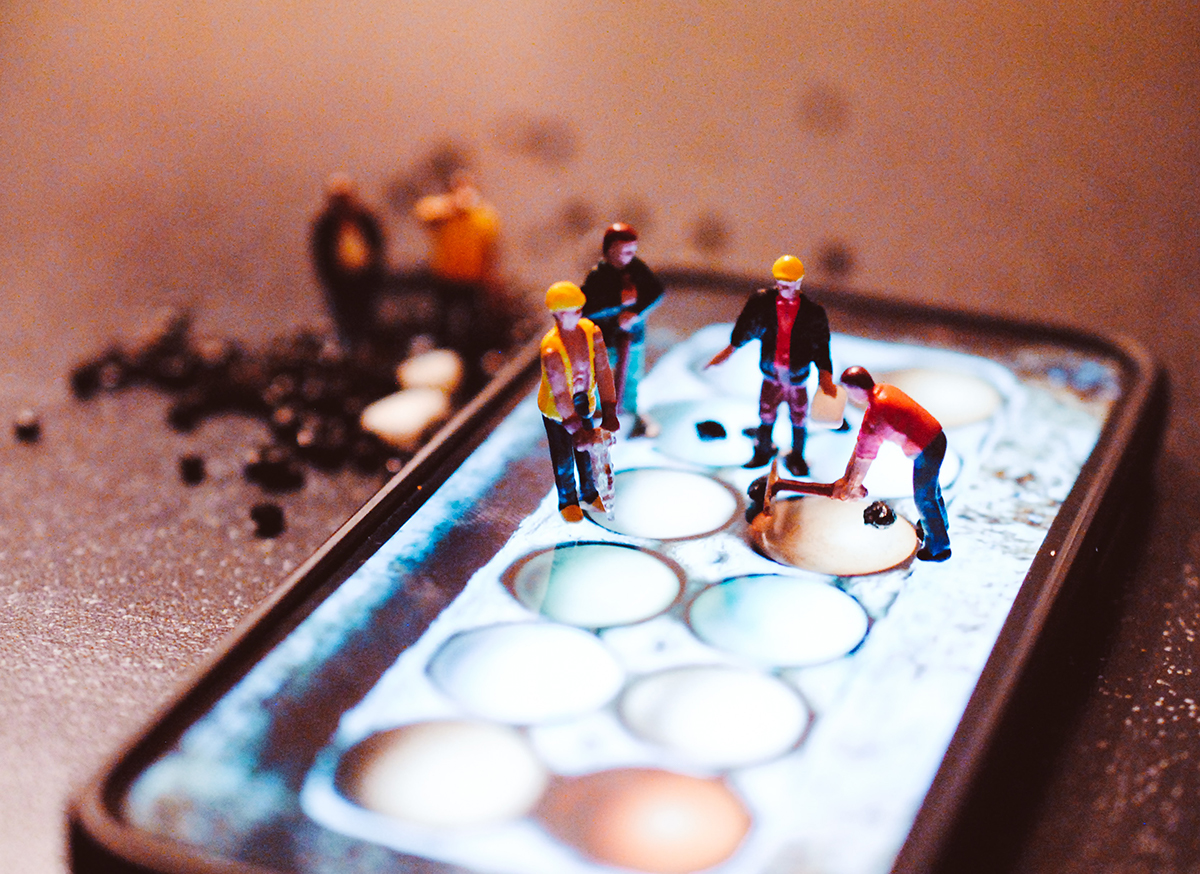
point(927, 492)
point(566, 458)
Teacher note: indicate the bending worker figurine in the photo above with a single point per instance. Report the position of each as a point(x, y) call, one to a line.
point(576, 384)
point(893, 415)
point(620, 290)
point(794, 332)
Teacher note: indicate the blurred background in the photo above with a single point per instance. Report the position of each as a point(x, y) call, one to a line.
point(1037, 160)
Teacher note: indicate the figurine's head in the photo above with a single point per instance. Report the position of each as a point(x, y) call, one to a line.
point(788, 271)
point(620, 244)
point(858, 384)
point(340, 187)
point(463, 192)
point(565, 302)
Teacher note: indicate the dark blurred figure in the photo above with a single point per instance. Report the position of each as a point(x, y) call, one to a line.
point(348, 251)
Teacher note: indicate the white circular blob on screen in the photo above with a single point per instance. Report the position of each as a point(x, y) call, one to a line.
point(715, 715)
point(662, 504)
point(779, 621)
point(527, 673)
point(444, 774)
point(951, 397)
point(707, 432)
point(891, 473)
point(828, 536)
point(739, 375)
point(595, 585)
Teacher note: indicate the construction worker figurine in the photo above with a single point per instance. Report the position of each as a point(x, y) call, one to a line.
point(894, 416)
point(576, 384)
point(620, 290)
point(795, 333)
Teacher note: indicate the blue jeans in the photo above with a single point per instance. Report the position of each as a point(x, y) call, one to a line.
point(566, 458)
point(927, 492)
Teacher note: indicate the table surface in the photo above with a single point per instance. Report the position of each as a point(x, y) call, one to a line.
point(1037, 162)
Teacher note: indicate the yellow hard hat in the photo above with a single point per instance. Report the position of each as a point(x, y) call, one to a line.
point(564, 296)
point(789, 268)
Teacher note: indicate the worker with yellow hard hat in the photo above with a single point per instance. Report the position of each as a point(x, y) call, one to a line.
point(576, 384)
point(794, 332)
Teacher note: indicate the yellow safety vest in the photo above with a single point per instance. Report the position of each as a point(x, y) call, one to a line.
point(552, 341)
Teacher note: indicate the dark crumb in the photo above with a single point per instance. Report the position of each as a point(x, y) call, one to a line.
point(710, 430)
point(307, 390)
point(191, 469)
point(879, 514)
point(268, 520)
point(27, 427)
point(275, 468)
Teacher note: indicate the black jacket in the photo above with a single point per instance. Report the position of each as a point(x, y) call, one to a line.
point(810, 334)
point(602, 288)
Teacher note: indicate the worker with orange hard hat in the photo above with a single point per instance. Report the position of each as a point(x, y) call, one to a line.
point(577, 384)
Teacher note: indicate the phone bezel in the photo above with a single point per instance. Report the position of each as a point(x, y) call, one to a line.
point(100, 839)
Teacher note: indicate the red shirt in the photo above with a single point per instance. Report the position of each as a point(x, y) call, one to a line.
point(893, 415)
point(785, 318)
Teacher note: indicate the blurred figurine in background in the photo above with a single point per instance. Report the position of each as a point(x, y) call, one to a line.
point(620, 290)
point(795, 333)
point(893, 415)
point(348, 250)
point(576, 384)
point(464, 261)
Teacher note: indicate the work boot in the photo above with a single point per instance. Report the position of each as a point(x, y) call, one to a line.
point(795, 459)
point(764, 449)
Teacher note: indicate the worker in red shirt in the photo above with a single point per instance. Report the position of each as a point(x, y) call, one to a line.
point(893, 415)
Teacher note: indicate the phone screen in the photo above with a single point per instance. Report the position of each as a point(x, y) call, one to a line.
point(669, 688)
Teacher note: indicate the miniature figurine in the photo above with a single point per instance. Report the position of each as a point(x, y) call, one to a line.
point(348, 250)
point(893, 415)
point(620, 290)
point(576, 383)
point(464, 260)
point(794, 332)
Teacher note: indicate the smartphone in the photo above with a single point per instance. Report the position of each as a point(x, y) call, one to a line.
point(462, 680)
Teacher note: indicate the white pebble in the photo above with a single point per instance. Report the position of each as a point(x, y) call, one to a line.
point(403, 419)
point(439, 368)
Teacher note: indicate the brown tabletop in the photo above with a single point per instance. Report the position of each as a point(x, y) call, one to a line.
point(1037, 160)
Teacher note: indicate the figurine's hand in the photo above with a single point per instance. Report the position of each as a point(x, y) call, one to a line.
point(828, 386)
point(844, 491)
point(608, 419)
point(628, 319)
point(585, 437)
point(573, 423)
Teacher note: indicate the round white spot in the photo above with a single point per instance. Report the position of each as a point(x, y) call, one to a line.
point(444, 774)
point(595, 585)
point(717, 716)
point(661, 504)
point(952, 398)
point(527, 673)
point(779, 621)
point(830, 537)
